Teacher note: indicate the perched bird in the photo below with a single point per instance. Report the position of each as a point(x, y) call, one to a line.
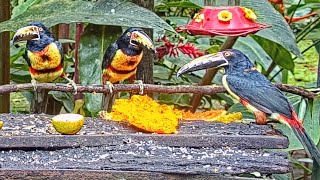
point(254, 91)
point(43, 54)
point(121, 59)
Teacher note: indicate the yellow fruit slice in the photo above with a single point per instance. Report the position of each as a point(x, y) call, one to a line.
point(68, 123)
point(1, 124)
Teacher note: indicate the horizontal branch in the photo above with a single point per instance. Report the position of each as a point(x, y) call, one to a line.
point(148, 88)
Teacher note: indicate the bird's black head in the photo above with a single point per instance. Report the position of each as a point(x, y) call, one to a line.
point(134, 39)
point(35, 34)
point(232, 60)
point(42, 29)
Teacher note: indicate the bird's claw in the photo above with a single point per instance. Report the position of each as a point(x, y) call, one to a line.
point(140, 83)
point(110, 86)
point(34, 84)
point(73, 84)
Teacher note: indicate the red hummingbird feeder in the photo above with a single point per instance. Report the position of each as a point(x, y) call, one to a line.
point(224, 21)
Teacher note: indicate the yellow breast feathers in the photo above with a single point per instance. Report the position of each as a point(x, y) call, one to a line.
point(48, 58)
point(125, 62)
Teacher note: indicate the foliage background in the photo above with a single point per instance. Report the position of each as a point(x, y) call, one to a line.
point(286, 53)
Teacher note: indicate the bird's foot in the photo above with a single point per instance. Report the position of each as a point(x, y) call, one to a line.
point(140, 83)
point(34, 84)
point(110, 86)
point(73, 84)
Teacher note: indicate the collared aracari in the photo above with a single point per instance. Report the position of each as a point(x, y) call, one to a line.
point(43, 54)
point(254, 91)
point(121, 59)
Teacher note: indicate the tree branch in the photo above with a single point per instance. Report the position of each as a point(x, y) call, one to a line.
point(148, 88)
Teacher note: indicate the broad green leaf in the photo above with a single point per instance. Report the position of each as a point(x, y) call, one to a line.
point(280, 32)
point(280, 55)
point(315, 120)
point(104, 12)
point(253, 50)
point(282, 176)
point(22, 7)
point(161, 72)
point(94, 41)
point(180, 4)
point(65, 98)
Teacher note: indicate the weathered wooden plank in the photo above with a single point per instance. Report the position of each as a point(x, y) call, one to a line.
point(104, 174)
point(150, 157)
point(65, 141)
point(34, 124)
point(35, 131)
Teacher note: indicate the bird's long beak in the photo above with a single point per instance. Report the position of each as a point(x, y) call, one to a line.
point(141, 38)
point(204, 62)
point(25, 34)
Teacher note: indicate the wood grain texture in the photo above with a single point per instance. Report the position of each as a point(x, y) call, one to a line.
point(201, 150)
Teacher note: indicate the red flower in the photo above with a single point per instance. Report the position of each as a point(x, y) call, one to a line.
point(173, 49)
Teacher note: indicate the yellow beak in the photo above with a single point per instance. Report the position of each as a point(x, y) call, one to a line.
point(141, 38)
point(25, 34)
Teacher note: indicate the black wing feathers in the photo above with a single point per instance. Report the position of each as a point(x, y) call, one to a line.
point(109, 54)
point(59, 45)
point(259, 92)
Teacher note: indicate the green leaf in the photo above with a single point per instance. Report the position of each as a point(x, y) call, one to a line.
point(94, 41)
point(106, 12)
point(280, 32)
point(65, 98)
point(253, 50)
point(314, 125)
point(280, 55)
point(180, 4)
point(22, 7)
point(282, 176)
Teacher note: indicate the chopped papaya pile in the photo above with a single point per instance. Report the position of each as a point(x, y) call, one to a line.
point(212, 115)
point(146, 114)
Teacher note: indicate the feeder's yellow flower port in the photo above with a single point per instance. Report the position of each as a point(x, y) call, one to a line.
point(198, 17)
point(68, 123)
point(224, 15)
point(1, 124)
point(146, 114)
point(249, 14)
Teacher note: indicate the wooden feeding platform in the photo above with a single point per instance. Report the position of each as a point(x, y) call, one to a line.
point(31, 148)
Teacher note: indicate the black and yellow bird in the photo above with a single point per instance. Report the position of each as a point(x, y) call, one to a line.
point(121, 59)
point(255, 92)
point(43, 54)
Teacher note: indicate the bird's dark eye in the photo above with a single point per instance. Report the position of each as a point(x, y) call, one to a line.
point(227, 54)
point(40, 29)
point(128, 33)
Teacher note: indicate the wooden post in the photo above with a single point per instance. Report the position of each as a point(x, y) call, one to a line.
point(145, 68)
point(5, 56)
